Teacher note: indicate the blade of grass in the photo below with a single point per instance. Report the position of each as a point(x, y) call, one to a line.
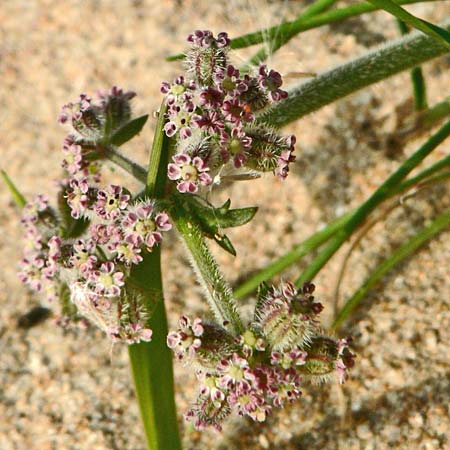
point(438, 33)
point(399, 255)
point(151, 362)
point(425, 120)
point(302, 24)
point(18, 198)
point(374, 66)
point(300, 250)
point(417, 79)
point(365, 229)
point(383, 192)
point(320, 237)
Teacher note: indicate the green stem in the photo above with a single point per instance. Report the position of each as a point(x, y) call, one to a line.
point(151, 362)
point(152, 369)
point(401, 253)
point(18, 198)
point(133, 168)
point(374, 66)
point(373, 201)
point(417, 78)
point(218, 291)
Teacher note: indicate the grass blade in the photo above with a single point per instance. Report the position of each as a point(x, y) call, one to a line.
point(399, 255)
point(428, 28)
point(151, 362)
point(18, 198)
point(383, 192)
point(417, 78)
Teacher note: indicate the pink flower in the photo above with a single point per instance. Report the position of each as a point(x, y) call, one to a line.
point(189, 173)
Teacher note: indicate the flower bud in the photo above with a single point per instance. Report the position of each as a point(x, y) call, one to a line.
point(287, 317)
point(327, 359)
point(269, 151)
point(207, 57)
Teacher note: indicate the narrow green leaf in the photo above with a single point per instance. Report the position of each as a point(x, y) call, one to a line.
point(398, 256)
point(128, 131)
point(383, 192)
point(224, 241)
point(18, 198)
point(417, 78)
point(157, 167)
point(432, 30)
point(151, 362)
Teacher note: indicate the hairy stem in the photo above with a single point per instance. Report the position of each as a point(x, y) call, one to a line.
point(376, 65)
point(133, 168)
point(218, 291)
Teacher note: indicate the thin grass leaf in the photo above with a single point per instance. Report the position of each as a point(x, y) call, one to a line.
point(428, 28)
point(320, 237)
point(383, 192)
point(18, 198)
point(151, 362)
point(398, 256)
point(417, 78)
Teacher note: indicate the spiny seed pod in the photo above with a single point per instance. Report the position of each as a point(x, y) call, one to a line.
point(200, 342)
point(327, 359)
point(269, 151)
point(208, 412)
point(207, 57)
point(287, 317)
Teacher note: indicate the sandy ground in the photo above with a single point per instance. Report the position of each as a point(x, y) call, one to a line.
point(64, 391)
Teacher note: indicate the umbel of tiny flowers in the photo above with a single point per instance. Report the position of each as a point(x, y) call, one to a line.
point(262, 368)
point(211, 112)
point(92, 266)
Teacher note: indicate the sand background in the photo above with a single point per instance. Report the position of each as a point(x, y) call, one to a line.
point(64, 390)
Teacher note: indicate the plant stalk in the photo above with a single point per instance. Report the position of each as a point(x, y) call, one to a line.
point(151, 362)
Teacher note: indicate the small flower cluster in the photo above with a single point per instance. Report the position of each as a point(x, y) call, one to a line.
point(212, 114)
point(117, 232)
point(42, 247)
point(263, 368)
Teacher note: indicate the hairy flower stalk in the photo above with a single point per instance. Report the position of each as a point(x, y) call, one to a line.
point(261, 368)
